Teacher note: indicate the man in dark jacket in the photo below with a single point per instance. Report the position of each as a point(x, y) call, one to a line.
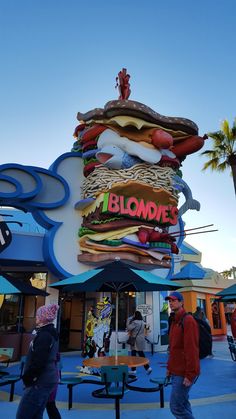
point(183, 364)
point(40, 372)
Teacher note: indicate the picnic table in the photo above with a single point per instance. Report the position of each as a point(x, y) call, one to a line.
point(131, 361)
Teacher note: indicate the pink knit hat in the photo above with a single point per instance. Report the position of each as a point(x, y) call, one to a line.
point(46, 314)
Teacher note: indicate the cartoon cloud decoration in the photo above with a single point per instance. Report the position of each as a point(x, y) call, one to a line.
point(29, 187)
point(131, 184)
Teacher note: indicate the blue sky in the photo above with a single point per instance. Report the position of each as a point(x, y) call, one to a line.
point(60, 57)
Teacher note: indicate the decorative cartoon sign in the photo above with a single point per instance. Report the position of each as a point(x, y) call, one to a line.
point(145, 309)
point(98, 330)
point(131, 183)
point(115, 195)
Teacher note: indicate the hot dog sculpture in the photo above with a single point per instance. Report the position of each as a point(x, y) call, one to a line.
point(129, 198)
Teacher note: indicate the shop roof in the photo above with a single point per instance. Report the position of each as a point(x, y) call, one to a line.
point(188, 250)
point(190, 271)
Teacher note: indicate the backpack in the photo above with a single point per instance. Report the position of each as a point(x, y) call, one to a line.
point(205, 337)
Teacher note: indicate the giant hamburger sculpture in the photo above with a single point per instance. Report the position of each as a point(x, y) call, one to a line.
point(129, 196)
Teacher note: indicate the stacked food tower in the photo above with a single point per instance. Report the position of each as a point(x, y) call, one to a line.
point(131, 185)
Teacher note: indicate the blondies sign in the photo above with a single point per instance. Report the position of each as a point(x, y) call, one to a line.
point(138, 208)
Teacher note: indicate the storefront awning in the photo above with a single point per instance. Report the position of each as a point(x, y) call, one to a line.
point(17, 286)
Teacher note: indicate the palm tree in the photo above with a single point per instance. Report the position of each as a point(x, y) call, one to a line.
point(230, 273)
point(226, 274)
point(223, 153)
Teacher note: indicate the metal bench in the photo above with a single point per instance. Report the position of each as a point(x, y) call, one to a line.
point(122, 342)
point(161, 382)
point(7, 354)
point(11, 379)
point(73, 380)
point(114, 378)
point(152, 342)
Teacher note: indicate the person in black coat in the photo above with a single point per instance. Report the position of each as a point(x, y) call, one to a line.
point(40, 373)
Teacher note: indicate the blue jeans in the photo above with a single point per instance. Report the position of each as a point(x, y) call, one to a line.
point(33, 401)
point(179, 399)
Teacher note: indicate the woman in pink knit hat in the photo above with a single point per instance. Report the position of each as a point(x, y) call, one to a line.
point(40, 373)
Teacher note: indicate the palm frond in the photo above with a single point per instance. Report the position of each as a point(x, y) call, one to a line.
point(218, 153)
point(225, 128)
point(222, 166)
point(216, 136)
point(210, 153)
point(233, 130)
point(234, 125)
point(223, 147)
point(211, 164)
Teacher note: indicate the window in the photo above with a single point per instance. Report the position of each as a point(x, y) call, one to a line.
point(9, 313)
point(216, 314)
point(128, 301)
point(201, 303)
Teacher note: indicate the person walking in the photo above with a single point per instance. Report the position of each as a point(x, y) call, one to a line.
point(40, 373)
point(183, 364)
point(136, 328)
point(199, 313)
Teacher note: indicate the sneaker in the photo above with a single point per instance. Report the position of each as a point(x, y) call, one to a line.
point(211, 355)
point(149, 371)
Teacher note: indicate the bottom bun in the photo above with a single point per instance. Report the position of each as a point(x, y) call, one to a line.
point(147, 262)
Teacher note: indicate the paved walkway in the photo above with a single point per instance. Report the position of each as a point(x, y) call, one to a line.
point(212, 397)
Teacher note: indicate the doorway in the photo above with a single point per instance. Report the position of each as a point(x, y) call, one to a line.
point(72, 322)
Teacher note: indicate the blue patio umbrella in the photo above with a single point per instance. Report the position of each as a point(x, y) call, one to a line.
point(227, 298)
point(17, 286)
point(229, 292)
point(115, 277)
